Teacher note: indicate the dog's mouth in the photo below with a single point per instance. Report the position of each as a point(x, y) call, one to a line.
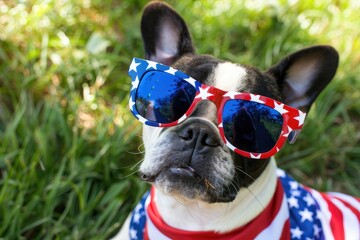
point(186, 171)
point(176, 171)
point(181, 179)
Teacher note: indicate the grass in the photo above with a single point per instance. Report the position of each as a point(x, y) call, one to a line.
point(68, 144)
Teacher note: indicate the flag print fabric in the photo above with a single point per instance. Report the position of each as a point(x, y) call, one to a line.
point(295, 212)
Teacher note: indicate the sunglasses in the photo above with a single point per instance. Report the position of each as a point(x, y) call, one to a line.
point(251, 125)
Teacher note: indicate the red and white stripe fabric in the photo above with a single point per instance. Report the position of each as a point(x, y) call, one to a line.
point(339, 216)
point(295, 212)
point(274, 220)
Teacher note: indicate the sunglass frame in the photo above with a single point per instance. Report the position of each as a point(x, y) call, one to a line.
point(293, 119)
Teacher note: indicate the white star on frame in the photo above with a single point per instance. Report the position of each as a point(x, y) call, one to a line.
point(256, 98)
point(230, 94)
point(280, 108)
point(133, 66)
point(231, 146)
point(171, 71)
point(191, 81)
point(301, 118)
point(151, 65)
point(141, 119)
point(289, 131)
point(135, 83)
point(204, 93)
point(254, 156)
point(131, 104)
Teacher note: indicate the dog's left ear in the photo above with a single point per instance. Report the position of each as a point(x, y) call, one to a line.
point(304, 74)
point(165, 34)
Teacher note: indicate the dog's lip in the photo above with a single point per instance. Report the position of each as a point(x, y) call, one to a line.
point(183, 171)
point(186, 171)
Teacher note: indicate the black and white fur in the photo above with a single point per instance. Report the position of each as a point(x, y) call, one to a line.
point(199, 180)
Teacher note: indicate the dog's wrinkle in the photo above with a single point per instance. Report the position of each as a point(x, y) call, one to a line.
point(213, 168)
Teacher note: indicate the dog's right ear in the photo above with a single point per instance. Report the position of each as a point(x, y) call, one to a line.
point(165, 34)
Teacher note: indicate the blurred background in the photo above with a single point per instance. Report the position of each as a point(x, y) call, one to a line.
point(69, 147)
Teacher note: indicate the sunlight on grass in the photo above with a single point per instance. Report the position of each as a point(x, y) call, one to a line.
point(69, 145)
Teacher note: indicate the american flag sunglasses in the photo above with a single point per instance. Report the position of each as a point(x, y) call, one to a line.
point(251, 125)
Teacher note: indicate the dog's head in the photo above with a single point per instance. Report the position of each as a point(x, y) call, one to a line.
point(191, 159)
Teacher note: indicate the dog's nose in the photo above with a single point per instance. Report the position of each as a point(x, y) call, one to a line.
point(200, 133)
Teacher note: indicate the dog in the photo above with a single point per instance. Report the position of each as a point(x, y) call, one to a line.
point(211, 128)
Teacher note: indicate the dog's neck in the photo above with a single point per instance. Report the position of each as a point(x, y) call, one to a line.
point(194, 215)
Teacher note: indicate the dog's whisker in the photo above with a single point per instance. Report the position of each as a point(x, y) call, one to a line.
point(130, 174)
point(136, 164)
point(139, 150)
point(248, 175)
point(260, 203)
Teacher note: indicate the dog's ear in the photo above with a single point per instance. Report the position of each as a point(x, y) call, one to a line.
point(304, 74)
point(165, 34)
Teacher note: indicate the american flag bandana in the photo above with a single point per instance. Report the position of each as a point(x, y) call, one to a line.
point(295, 212)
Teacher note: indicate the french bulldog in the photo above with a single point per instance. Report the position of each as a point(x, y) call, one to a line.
point(205, 182)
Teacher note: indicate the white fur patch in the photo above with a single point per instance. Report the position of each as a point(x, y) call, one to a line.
point(193, 215)
point(229, 76)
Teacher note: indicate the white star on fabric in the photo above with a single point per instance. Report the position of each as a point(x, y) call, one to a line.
point(230, 94)
point(280, 173)
point(191, 80)
point(138, 207)
point(293, 202)
point(301, 118)
point(256, 98)
point(319, 214)
point(309, 200)
point(306, 215)
point(135, 83)
point(317, 230)
point(133, 233)
point(296, 233)
point(151, 65)
point(137, 217)
point(295, 193)
point(204, 93)
point(280, 108)
point(294, 185)
point(171, 71)
point(133, 66)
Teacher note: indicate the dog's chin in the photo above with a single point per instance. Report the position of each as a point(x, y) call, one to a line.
point(186, 182)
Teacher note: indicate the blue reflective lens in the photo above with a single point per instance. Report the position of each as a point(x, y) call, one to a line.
point(162, 97)
point(251, 126)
